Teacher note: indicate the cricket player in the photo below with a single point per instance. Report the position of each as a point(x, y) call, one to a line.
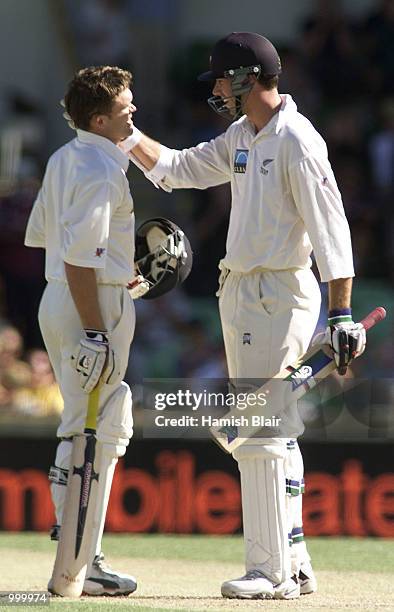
point(285, 202)
point(83, 217)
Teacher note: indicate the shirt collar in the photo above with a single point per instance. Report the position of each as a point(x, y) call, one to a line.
point(289, 107)
point(106, 145)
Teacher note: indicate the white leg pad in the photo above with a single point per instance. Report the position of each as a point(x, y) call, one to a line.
point(109, 455)
point(114, 429)
point(58, 491)
point(263, 489)
point(294, 471)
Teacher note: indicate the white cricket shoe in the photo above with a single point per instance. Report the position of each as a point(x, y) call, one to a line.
point(103, 580)
point(290, 589)
point(254, 585)
point(307, 579)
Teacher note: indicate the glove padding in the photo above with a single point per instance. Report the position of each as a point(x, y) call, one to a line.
point(347, 341)
point(67, 117)
point(94, 360)
point(138, 287)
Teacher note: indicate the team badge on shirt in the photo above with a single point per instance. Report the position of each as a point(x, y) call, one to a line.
point(240, 160)
point(263, 167)
point(100, 252)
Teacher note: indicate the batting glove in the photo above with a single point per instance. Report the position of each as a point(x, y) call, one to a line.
point(94, 360)
point(138, 287)
point(67, 117)
point(347, 340)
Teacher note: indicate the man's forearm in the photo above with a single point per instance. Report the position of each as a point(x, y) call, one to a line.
point(340, 293)
point(83, 289)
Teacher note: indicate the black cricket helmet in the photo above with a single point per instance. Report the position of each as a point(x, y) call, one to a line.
point(237, 56)
point(163, 255)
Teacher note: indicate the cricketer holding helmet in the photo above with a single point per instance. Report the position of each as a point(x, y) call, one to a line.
point(285, 202)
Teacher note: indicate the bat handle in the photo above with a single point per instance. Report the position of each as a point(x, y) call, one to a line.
point(377, 315)
point(343, 347)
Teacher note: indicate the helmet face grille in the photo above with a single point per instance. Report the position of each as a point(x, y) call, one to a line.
point(163, 255)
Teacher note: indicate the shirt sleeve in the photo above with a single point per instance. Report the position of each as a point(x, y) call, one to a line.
point(206, 165)
point(319, 203)
point(86, 225)
point(35, 230)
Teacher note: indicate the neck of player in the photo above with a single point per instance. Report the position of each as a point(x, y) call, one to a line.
point(261, 105)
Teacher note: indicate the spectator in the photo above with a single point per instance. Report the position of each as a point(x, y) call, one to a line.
point(14, 379)
point(41, 397)
point(11, 347)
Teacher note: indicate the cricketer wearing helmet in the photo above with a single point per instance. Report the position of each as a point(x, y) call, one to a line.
point(285, 203)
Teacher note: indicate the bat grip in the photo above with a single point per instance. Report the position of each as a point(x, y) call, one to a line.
point(377, 315)
point(343, 349)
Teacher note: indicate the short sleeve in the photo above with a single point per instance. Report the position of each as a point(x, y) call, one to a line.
point(35, 230)
point(85, 224)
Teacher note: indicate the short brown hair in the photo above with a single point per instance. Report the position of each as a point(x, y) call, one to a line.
point(269, 82)
point(93, 91)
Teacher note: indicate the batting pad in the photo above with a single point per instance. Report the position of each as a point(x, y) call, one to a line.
point(58, 488)
point(108, 459)
point(263, 489)
point(294, 471)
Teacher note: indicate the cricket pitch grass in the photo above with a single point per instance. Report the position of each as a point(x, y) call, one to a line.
point(185, 573)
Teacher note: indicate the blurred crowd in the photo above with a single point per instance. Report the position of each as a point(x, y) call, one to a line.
point(340, 73)
point(27, 384)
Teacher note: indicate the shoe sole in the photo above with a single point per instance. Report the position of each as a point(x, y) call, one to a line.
point(291, 595)
point(107, 594)
point(237, 595)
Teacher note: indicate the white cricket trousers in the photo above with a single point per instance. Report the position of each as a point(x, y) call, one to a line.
point(268, 319)
point(61, 329)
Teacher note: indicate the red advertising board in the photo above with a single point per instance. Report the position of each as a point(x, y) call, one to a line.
point(194, 488)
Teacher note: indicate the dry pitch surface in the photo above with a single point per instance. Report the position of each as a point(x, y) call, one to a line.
point(185, 573)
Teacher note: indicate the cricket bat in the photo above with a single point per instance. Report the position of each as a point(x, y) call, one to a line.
point(74, 547)
point(295, 381)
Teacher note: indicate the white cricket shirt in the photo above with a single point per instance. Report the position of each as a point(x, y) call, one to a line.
point(285, 200)
point(83, 214)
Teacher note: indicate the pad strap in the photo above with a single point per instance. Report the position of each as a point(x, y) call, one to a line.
point(295, 487)
point(58, 475)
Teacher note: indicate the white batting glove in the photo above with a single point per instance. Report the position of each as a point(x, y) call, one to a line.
point(94, 360)
point(347, 341)
point(138, 287)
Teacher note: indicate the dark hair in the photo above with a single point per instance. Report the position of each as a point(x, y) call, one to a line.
point(269, 82)
point(93, 91)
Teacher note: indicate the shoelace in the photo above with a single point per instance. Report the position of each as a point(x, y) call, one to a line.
point(101, 563)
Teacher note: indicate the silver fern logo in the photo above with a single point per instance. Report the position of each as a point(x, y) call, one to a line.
point(263, 167)
point(247, 338)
